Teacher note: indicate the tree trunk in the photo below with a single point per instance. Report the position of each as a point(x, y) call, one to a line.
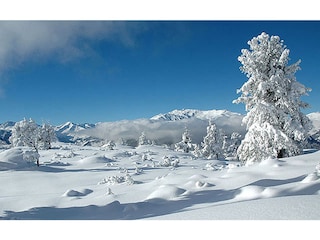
point(281, 153)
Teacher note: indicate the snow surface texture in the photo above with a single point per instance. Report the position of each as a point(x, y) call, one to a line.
point(153, 182)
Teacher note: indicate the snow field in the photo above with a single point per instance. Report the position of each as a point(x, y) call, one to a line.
point(153, 182)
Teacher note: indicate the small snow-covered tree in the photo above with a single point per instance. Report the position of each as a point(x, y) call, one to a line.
point(26, 133)
point(275, 125)
point(143, 139)
point(185, 145)
point(212, 144)
point(46, 136)
point(197, 153)
point(110, 145)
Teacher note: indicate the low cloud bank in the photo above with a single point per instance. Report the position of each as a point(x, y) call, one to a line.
point(162, 132)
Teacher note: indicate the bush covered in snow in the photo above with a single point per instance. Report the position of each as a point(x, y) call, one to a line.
point(117, 180)
point(170, 161)
point(31, 156)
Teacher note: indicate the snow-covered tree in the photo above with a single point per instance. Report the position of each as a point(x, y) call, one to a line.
point(185, 145)
point(143, 139)
point(235, 141)
point(275, 125)
point(46, 136)
point(110, 145)
point(212, 144)
point(26, 133)
point(197, 153)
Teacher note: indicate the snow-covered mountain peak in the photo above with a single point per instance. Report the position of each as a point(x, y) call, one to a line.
point(315, 119)
point(72, 127)
point(177, 115)
point(7, 125)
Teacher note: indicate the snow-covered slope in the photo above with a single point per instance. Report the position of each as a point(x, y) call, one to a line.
point(76, 182)
point(92, 182)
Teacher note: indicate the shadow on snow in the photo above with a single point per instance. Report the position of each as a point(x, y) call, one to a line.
point(126, 211)
point(153, 207)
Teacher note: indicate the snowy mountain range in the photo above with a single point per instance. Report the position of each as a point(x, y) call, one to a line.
point(315, 119)
point(164, 128)
point(177, 115)
point(70, 127)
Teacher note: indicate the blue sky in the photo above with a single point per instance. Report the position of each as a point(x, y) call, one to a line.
point(106, 71)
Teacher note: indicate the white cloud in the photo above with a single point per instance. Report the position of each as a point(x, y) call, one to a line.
point(62, 41)
point(20, 40)
point(163, 132)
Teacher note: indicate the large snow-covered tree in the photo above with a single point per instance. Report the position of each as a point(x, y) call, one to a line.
point(276, 127)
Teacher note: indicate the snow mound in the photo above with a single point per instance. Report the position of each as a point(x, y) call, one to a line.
point(314, 176)
point(74, 193)
point(95, 160)
point(197, 181)
point(12, 159)
point(310, 178)
point(250, 192)
point(198, 184)
point(272, 162)
point(166, 192)
point(197, 177)
point(270, 192)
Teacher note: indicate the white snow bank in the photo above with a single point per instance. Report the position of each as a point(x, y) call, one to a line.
point(74, 193)
point(95, 160)
point(166, 192)
point(13, 159)
point(281, 208)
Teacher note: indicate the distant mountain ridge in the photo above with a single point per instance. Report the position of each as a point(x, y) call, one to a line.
point(7, 125)
point(171, 123)
point(315, 119)
point(177, 115)
point(68, 132)
point(72, 127)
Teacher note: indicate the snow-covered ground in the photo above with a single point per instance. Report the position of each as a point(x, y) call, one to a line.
point(153, 182)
